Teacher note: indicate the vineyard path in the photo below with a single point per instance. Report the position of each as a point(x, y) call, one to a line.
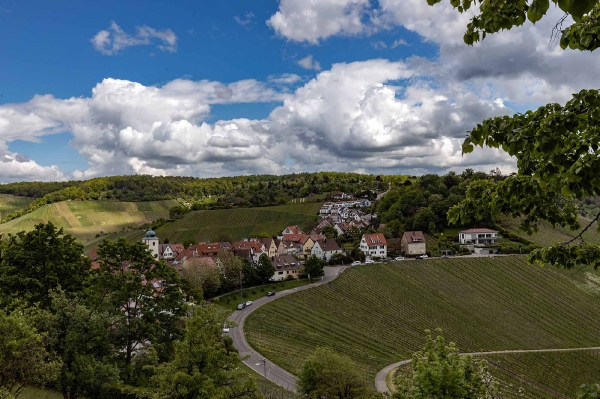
point(255, 360)
point(380, 378)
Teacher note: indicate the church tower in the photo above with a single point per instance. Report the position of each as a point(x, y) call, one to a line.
point(151, 241)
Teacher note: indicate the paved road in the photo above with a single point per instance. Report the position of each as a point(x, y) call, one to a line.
point(255, 360)
point(381, 386)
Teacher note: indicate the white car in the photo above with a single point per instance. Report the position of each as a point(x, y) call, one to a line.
point(424, 256)
point(368, 262)
point(399, 258)
point(356, 263)
point(248, 303)
point(225, 329)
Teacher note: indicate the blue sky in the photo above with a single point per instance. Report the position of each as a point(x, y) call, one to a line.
point(385, 60)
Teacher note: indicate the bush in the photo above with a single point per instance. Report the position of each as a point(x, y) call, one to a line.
point(244, 294)
point(234, 298)
point(262, 289)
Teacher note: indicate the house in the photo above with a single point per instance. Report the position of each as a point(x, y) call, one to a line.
point(167, 252)
point(413, 243)
point(271, 246)
point(307, 246)
point(478, 236)
point(208, 248)
point(374, 245)
point(325, 249)
point(292, 230)
point(285, 265)
point(248, 249)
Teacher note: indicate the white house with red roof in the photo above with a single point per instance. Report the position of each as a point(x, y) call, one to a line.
point(374, 245)
point(481, 236)
point(292, 230)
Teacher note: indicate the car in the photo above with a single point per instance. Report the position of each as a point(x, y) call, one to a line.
point(248, 303)
point(425, 256)
point(241, 306)
point(386, 260)
point(270, 293)
point(368, 262)
point(445, 256)
point(399, 258)
point(356, 263)
point(225, 328)
point(419, 257)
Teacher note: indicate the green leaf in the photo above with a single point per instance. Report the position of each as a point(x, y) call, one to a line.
point(565, 191)
point(564, 5)
point(537, 10)
point(578, 8)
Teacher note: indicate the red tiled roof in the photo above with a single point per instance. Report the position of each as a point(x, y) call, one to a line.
point(296, 237)
point(375, 239)
point(329, 245)
point(294, 229)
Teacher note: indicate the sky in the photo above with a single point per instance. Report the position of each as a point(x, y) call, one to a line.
point(231, 87)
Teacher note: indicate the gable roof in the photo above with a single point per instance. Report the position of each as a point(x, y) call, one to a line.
point(285, 262)
point(208, 248)
point(413, 237)
point(296, 237)
point(375, 239)
point(329, 244)
point(295, 229)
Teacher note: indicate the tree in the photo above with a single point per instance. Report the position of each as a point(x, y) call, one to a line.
point(187, 243)
point(313, 266)
point(200, 274)
point(80, 337)
point(423, 220)
point(206, 365)
point(589, 391)
point(221, 238)
point(143, 294)
point(249, 273)
point(37, 262)
point(231, 269)
point(329, 232)
point(326, 374)
point(494, 16)
point(556, 146)
point(23, 357)
point(439, 371)
point(264, 269)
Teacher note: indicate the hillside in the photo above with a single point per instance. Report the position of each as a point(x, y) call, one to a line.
point(377, 314)
point(548, 235)
point(86, 219)
point(11, 203)
point(238, 222)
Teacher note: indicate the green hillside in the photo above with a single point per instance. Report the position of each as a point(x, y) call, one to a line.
point(86, 219)
point(547, 235)
point(377, 314)
point(11, 203)
point(238, 222)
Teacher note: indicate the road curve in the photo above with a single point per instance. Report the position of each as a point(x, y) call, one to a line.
point(380, 378)
point(254, 359)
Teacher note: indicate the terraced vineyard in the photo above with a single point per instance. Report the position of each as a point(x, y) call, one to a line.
point(547, 235)
point(11, 203)
point(85, 219)
point(377, 314)
point(238, 223)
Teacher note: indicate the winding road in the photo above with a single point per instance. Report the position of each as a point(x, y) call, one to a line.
point(255, 360)
point(380, 378)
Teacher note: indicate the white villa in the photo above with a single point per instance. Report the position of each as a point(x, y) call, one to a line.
point(478, 236)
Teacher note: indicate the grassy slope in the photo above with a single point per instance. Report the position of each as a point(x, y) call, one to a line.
point(547, 235)
point(237, 223)
point(11, 203)
point(85, 219)
point(377, 314)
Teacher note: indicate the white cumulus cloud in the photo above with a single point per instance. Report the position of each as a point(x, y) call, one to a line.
point(309, 63)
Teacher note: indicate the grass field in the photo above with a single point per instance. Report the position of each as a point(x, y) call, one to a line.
point(230, 301)
point(377, 314)
point(85, 219)
point(10, 203)
point(547, 235)
point(39, 393)
point(238, 222)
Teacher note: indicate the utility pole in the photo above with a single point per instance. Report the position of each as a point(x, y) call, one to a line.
point(241, 285)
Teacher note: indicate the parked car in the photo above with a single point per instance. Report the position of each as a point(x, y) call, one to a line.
point(248, 303)
point(241, 306)
point(356, 263)
point(225, 328)
point(399, 258)
point(386, 260)
point(445, 256)
point(419, 257)
point(425, 256)
point(270, 293)
point(368, 262)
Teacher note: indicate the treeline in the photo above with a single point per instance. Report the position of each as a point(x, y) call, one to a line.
point(200, 193)
point(422, 203)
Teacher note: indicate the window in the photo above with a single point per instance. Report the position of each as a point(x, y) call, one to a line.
point(279, 272)
point(153, 243)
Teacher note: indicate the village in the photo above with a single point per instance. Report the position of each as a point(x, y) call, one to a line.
point(289, 250)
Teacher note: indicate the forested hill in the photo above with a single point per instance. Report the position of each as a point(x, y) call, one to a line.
point(202, 193)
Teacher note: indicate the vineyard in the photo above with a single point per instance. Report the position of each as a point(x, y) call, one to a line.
point(238, 222)
point(10, 203)
point(377, 314)
point(547, 235)
point(86, 219)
